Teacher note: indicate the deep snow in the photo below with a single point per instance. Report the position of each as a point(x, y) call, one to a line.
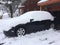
point(47, 37)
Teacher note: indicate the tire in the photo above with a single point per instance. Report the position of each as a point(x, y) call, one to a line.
point(21, 31)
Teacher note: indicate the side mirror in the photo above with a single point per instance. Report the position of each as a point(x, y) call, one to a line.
point(31, 20)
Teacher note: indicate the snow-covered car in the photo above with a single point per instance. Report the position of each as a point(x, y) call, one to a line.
point(32, 21)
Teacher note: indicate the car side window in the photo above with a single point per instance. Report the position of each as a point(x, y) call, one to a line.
point(35, 23)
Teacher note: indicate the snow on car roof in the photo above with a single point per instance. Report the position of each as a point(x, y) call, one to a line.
point(39, 15)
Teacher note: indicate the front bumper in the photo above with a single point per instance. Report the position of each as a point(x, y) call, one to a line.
point(9, 34)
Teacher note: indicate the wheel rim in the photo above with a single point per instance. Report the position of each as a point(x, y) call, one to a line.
point(20, 32)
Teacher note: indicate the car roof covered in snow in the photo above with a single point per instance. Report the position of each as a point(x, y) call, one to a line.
point(38, 15)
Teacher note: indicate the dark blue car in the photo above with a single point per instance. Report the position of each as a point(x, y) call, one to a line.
point(32, 21)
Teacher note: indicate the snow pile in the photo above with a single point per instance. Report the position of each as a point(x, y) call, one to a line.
point(42, 1)
point(3, 2)
point(5, 16)
point(2, 36)
point(9, 2)
point(4, 12)
point(48, 37)
point(1, 13)
point(16, 13)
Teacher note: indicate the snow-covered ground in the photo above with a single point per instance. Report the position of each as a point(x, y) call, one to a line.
point(47, 37)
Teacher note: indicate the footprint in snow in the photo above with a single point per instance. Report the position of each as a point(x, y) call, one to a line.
point(43, 39)
point(51, 42)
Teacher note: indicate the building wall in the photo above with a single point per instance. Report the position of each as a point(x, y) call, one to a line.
point(54, 7)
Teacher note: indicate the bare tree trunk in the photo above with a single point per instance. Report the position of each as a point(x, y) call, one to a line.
point(11, 11)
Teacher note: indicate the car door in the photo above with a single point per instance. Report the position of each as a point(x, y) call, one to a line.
point(39, 25)
point(34, 26)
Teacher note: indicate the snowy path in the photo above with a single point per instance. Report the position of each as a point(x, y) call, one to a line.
point(48, 37)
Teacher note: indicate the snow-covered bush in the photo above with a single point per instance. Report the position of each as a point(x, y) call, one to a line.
point(4, 11)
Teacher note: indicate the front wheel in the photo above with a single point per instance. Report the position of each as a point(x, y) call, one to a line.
point(21, 32)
